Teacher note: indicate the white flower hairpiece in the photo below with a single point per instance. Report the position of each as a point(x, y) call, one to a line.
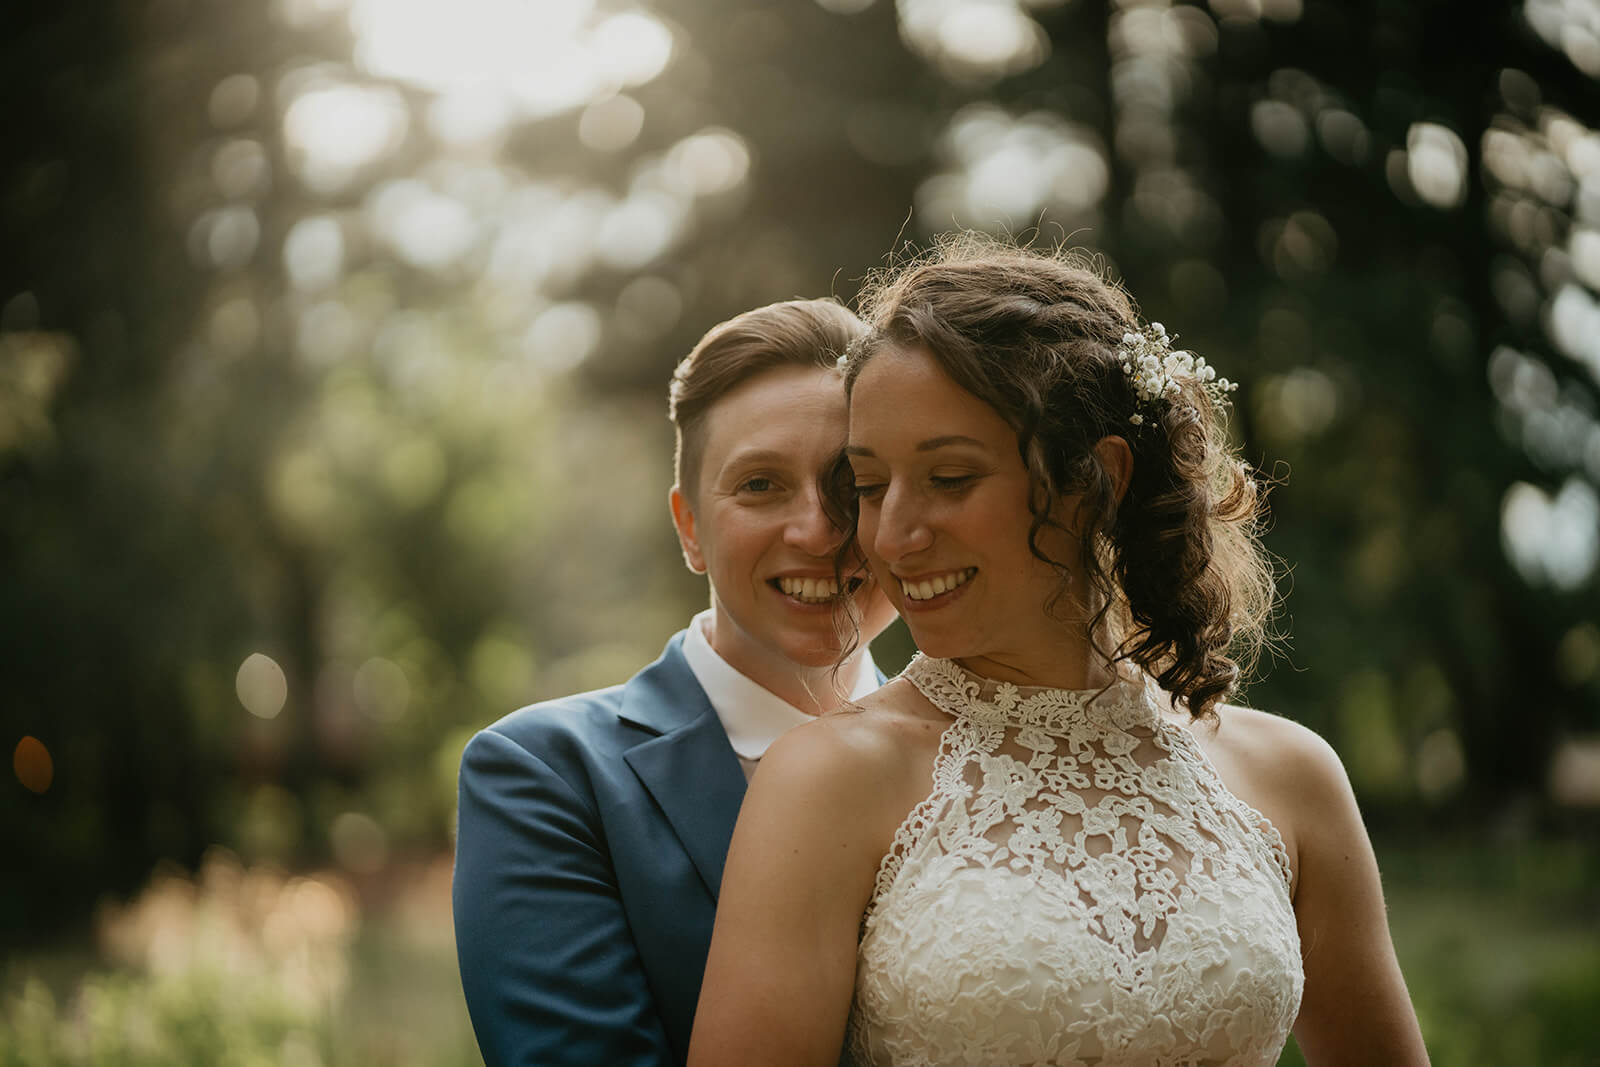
point(1155, 371)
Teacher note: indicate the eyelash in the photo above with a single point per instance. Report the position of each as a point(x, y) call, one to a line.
point(943, 483)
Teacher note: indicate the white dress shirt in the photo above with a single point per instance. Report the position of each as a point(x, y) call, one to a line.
point(752, 714)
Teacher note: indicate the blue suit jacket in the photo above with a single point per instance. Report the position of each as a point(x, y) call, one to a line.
point(590, 843)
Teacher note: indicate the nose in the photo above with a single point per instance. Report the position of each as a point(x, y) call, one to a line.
point(809, 528)
point(899, 529)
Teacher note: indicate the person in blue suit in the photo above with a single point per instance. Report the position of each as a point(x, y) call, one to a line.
point(592, 829)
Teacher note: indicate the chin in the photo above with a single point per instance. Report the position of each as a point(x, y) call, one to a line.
point(938, 646)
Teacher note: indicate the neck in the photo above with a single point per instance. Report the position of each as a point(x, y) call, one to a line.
point(812, 690)
point(1094, 675)
point(816, 690)
point(1073, 664)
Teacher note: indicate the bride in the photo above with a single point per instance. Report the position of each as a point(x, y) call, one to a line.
point(1049, 841)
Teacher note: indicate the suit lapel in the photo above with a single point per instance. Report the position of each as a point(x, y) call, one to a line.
point(690, 770)
point(694, 776)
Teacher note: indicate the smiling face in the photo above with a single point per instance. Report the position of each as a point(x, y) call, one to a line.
point(757, 528)
point(944, 519)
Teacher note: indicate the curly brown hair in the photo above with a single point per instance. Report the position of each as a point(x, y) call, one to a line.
point(1179, 583)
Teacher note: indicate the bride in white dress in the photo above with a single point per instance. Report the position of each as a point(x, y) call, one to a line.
point(1050, 841)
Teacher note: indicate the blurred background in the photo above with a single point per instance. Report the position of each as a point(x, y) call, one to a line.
point(334, 341)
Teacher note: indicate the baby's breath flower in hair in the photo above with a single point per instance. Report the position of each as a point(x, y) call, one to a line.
point(1155, 371)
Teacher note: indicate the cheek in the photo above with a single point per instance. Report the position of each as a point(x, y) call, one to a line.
point(730, 546)
point(881, 574)
point(867, 534)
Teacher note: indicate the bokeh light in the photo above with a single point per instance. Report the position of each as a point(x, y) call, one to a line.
point(334, 132)
point(544, 58)
point(34, 365)
point(1570, 26)
point(1575, 773)
point(359, 843)
point(1280, 128)
point(974, 40)
point(382, 689)
point(428, 229)
point(1553, 539)
point(612, 124)
point(234, 100)
point(563, 335)
point(1436, 164)
point(1251, 10)
point(313, 252)
point(31, 763)
point(261, 685)
point(1003, 170)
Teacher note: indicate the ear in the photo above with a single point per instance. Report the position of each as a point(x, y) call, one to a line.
point(683, 519)
point(1117, 459)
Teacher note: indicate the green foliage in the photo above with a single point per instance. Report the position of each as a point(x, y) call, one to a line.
point(197, 1020)
point(243, 967)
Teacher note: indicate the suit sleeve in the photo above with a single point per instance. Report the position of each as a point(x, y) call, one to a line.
point(548, 964)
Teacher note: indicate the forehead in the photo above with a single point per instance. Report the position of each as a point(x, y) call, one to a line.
point(905, 394)
point(793, 410)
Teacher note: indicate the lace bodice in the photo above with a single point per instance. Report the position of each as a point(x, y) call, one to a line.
point(1079, 888)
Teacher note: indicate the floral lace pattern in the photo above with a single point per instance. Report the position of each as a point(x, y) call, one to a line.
point(1079, 889)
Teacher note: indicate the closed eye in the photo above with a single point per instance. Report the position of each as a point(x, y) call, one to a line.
point(868, 490)
point(951, 481)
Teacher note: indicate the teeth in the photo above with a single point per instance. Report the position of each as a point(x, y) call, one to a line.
point(810, 590)
point(929, 588)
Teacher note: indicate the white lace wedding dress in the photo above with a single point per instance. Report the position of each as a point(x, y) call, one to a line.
point(1079, 888)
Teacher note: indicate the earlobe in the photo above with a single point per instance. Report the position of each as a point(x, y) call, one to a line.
point(683, 520)
point(1116, 458)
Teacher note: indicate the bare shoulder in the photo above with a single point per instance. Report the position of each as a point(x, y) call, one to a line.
point(858, 771)
point(881, 737)
point(1284, 770)
point(1276, 747)
point(825, 803)
point(897, 716)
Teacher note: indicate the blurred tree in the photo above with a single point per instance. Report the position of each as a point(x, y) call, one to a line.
point(1357, 255)
point(335, 337)
point(105, 581)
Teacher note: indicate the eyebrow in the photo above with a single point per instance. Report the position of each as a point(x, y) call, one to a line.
point(756, 455)
point(930, 445)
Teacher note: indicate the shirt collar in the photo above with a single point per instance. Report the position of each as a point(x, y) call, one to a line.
point(752, 714)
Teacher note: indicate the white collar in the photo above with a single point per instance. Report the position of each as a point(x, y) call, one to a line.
point(752, 714)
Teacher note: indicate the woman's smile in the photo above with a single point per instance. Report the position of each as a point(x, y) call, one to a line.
point(924, 591)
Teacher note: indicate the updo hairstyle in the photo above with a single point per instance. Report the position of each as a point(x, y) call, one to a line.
point(1178, 582)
